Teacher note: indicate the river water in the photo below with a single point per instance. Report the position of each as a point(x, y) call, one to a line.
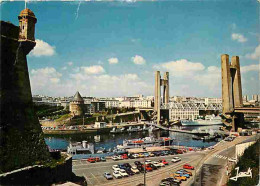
point(112, 140)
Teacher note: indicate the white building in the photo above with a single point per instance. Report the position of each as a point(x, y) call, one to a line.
point(209, 101)
point(188, 110)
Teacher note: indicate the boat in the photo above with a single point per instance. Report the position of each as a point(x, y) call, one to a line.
point(145, 142)
point(80, 148)
point(132, 129)
point(209, 120)
point(117, 130)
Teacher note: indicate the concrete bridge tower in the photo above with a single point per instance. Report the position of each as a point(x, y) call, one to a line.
point(231, 88)
point(157, 99)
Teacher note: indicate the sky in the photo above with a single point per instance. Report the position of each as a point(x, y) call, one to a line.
point(111, 49)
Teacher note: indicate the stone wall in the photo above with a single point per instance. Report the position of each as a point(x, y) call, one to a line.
point(39, 174)
point(21, 138)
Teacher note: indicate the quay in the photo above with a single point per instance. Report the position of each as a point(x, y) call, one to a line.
point(108, 127)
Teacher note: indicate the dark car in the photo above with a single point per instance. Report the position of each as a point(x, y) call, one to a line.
point(137, 163)
point(129, 172)
point(172, 180)
point(140, 168)
point(153, 166)
point(166, 152)
point(131, 156)
point(157, 153)
point(127, 165)
point(121, 166)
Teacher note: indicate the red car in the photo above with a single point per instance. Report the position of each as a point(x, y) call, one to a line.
point(124, 156)
point(164, 162)
point(179, 151)
point(97, 159)
point(148, 168)
point(91, 160)
point(188, 166)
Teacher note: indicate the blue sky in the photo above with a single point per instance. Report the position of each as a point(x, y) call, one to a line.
point(114, 48)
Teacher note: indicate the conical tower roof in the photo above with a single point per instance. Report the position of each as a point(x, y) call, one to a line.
point(78, 97)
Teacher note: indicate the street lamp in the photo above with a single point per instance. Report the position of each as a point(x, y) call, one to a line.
point(144, 149)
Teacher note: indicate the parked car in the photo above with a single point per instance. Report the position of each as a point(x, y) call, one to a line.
point(164, 162)
point(121, 166)
point(156, 153)
point(135, 170)
point(151, 154)
point(135, 155)
point(148, 161)
point(124, 156)
point(179, 151)
point(103, 159)
point(182, 174)
point(153, 166)
point(127, 165)
point(182, 178)
point(146, 154)
point(172, 180)
point(123, 173)
point(115, 168)
point(155, 163)
point(91, 160)
point(159, 163)
point(184, 171)
point(129, 172)
point(137, 163)
point(131, 156)
point(148, 168)
point(117, 174)
point(97, 159)
point(188, 166)
point(165, 183)
point(166, 153)
point(176, 159)
point(141, 155)
point(115, 158)
point(108, 176)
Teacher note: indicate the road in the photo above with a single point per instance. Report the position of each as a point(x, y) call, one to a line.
point(211, 162)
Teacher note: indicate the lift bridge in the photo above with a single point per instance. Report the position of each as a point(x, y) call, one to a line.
point(232, 102)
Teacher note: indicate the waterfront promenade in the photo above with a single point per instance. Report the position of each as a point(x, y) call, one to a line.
point(94, 172)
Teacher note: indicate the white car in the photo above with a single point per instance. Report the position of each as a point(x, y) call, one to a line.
point(115, 158)
point(148, 161)
point(156, 164)
point(176, 159)
point(117, 174)
point(159, 163)
point(123, 173)
point(135, 170)
point(151, 154)
point(136, 155)
point(115, 168)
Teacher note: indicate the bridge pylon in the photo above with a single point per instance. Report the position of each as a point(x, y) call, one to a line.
point(231, 89)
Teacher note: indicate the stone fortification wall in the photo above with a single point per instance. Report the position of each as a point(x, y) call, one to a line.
point(21, 138)
point(39, 175)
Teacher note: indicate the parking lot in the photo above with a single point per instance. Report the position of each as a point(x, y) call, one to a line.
point(93, 172)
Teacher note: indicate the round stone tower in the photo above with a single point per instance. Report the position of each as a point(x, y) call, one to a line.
point(77, 105)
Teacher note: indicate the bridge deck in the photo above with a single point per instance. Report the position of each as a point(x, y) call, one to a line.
point(253, 110)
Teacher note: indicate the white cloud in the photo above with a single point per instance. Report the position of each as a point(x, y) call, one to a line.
point(255, 54)
point(138, 60)
point(248, 68)
point(44, 78)
point(64, 68)
point(96, 69)
point(70, 63)
point(113, 60)
point(238, 37)
point(181, 67)
point(42, 49)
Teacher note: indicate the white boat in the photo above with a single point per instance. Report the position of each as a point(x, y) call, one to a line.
point(209, 120)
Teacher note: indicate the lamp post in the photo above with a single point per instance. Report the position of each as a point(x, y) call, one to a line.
point(144, 149)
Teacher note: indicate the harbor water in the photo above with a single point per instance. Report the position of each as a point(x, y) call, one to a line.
point(110, 140)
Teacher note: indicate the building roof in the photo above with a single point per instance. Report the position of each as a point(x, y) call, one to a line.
point(78, 97)
point(27, 12)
